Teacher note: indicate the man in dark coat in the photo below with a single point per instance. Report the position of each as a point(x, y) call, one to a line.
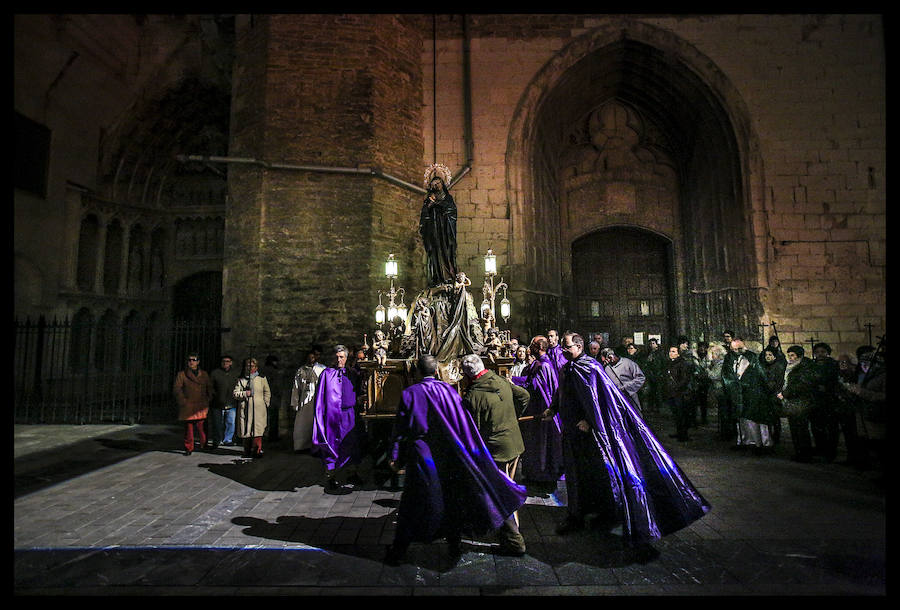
point(495, 405)
point(222, 408)
point(437, 226)
point(614, 462)
point(747, 391)
point(799, 395)
point(774, 369)
point(675, 387)
point(452, 482)
point(653, 365)
point(727, 414)
point(824, 416)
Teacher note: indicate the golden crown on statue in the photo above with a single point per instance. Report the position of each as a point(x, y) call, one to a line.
point(442, 171)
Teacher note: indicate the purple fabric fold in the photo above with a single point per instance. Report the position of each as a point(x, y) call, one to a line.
point(652, 494)
point(557, 357)
point(334, 435)
point(543, 457)
point(452, 482)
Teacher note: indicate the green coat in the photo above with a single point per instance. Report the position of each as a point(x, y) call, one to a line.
point(800, 383)
point(749, 393)
point(495, 405)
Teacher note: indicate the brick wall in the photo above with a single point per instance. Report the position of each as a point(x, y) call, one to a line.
point(328, 91)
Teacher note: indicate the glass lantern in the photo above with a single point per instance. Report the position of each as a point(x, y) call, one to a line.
point(390, 267)
point(490, 263)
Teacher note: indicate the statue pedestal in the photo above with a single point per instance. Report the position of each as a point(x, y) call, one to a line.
point(384, 385)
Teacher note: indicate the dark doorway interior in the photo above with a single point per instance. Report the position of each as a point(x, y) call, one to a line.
point(197, 318)
point(622, 283)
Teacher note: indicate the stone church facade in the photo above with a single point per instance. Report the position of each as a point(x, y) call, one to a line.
point(651, 174)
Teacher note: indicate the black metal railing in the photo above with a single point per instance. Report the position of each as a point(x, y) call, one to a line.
point(91, 372)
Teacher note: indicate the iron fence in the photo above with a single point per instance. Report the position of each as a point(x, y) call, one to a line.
point(91, 372)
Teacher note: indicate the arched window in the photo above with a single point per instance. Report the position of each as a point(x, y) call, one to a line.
point(105, 342)
point(157, 259)
point(82, 329)
point(112, 264)
point(154, 340)
point(88, 248)
point(136, 260)
point(132, 341)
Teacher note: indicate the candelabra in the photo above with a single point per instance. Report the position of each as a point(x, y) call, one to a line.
point(394, 309)
point(490, 293)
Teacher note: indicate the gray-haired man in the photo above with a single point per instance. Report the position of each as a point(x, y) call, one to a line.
point(495, 405)
point(625, 373)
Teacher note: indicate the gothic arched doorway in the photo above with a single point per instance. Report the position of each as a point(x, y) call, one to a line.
point(630, 125)
point(197, 319)
point(623, 284)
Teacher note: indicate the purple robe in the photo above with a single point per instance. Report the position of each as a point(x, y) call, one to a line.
point(334, 436)
point(557, 357)
point(543, 457)
point(650, 493)
point(452, 482)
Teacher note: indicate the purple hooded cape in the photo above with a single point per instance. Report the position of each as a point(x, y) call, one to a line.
point(334, 436)
point(452, 483)
point(543, 457)
point(652, 495)
point(557, 357)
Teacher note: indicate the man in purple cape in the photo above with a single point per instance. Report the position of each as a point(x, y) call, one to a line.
point(555, 352)
point(615, 466)
point(542, 461)
point(334, 437)
point(452, 482)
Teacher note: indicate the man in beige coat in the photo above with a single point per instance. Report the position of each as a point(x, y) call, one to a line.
point(253, 395)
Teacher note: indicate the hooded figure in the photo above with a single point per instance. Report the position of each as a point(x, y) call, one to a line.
point(452, 482)
point(608, 445)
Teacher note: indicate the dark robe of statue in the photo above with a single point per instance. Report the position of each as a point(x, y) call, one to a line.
point(437, 226)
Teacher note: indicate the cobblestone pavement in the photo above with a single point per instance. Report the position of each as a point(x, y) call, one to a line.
point(118, 510)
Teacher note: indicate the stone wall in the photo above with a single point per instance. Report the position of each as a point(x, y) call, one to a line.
point(304, 247)
point(804, 96)
point(812, 92)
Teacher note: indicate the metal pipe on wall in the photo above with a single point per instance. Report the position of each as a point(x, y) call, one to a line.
point(369, 171)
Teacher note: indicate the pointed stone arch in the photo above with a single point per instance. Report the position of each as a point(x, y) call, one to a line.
point(689, 115)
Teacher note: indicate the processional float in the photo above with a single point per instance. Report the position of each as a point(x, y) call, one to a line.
point(441, 320)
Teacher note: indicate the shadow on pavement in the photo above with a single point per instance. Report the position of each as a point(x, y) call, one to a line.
point(41, 469)
point(347, 535)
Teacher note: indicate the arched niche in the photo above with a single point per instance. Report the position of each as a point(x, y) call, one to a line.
point(685, 119)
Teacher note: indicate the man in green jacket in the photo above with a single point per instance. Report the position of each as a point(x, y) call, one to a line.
point(495, 405)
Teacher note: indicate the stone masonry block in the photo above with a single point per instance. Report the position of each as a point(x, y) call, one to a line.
point(853, 338)
point(808, 298)
point(816, 324)
point(845, 323)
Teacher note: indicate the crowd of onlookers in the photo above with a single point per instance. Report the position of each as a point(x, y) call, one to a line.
point(750, 393)
point(754, 392)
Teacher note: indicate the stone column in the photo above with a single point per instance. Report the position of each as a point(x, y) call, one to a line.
point(302, 248)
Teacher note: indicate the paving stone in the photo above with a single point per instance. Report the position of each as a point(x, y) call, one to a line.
point(148, 520)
